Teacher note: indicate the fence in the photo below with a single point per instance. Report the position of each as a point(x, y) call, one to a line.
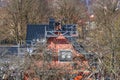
point(14, 48)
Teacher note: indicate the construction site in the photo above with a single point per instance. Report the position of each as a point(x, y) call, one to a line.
point(59, 39)
point(62, 55)
point(53, 53)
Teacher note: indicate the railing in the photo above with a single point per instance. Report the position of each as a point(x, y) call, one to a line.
point(63, 33)
point(13, 48)
point(67, 31)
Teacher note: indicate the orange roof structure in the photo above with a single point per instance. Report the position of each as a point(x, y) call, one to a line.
point(60, 43)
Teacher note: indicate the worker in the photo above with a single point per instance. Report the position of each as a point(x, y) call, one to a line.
point(58, 27)
point(79, 77)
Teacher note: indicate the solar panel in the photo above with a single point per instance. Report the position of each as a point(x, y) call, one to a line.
point(35, 32)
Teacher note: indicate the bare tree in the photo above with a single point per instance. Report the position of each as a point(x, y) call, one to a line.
point(104, 38)
point(71, 11)
point(23, 12)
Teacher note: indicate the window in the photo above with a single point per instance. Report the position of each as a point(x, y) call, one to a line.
point(65, 55)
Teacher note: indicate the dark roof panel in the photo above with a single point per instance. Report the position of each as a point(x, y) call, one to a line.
point(35, 32)
point(69, 27)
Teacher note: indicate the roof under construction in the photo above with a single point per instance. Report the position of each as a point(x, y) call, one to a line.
point(36, 32)
point(40, 31)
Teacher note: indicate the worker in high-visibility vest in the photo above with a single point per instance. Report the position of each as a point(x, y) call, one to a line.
point(58, 27)
point(79, 77)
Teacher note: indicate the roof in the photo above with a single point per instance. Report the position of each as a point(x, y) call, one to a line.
point(35, 32)
point(69, 27)
point(77, 46)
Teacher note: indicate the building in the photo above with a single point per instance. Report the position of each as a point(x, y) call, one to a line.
point(47, 32)
point(60, 42)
